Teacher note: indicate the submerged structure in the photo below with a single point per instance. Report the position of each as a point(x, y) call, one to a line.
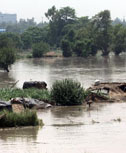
point(108, 91)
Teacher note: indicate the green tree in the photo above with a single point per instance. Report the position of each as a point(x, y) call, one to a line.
point(34, 35)
point(58, 19)
point(5, 41)
point(102, 30)
point(27, 40)
point(39, 49)
point(119, 39)
point(66, 47)
point(83, 48)
point(16, 39)
point(7, 57)
point(84, 42)
point(7, 51)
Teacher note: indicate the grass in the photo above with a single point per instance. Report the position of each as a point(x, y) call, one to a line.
point(26, 118)
point(7, 93)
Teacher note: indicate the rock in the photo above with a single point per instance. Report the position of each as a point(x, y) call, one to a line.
point(35, 84)
point(30, 103)
point(97, 82)
point(17, 100)
point(5, 105)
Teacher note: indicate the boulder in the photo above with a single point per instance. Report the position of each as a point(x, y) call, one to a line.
point(35, 84)
point(5, 105)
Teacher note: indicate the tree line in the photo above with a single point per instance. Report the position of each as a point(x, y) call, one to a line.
point(75, 36)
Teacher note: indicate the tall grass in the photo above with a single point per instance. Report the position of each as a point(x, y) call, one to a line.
point(26, 118)
point(7, 93)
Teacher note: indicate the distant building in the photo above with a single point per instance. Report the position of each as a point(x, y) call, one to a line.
point(2, 30)
point(8, 18)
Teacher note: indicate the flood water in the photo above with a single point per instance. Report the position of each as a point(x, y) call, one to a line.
point(100, 129)
point(50, 69)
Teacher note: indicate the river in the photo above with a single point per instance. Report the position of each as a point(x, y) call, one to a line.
point(100, 129)
point(50, 69)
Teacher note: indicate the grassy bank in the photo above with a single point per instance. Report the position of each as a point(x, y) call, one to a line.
point(7, 93)
point(26, 118)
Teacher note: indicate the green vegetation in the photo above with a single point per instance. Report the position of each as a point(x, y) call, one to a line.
point(102, 27)
point(78, 36)
point(39, 49)
point(66, 48)
point(11, 119)
point(67, 92)
point(7, 57)
point(7, 51)
point(6, 94)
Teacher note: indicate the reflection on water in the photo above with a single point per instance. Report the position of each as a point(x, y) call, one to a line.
point(13, 134)
point(5, 79)
point(51, 69)
point(15, 140)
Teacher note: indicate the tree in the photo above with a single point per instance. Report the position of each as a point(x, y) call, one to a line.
point(65, 45)
point(34, 35)
point(58, 19)
point(83, 48)
point(119, 39)
point(102, 29)
point(27, 40)
point(39, 49)
point(5, 41)
point(7, 57)
point(15, 38)
point(7, 51)
point(85, 42)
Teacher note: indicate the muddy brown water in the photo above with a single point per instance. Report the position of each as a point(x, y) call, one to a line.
point(100, 129)
point(51, 69)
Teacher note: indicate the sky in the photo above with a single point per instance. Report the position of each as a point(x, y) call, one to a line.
point(37, 8)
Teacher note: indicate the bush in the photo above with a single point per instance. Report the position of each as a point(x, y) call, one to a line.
point(26, 118)
point(39, 49)
point(67, 92)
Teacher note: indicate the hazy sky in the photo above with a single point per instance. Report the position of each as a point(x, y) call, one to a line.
point(36, 8)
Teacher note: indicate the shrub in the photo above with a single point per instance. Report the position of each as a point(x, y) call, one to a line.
point(67, 92)
point(39, 49)
point(26, 118)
